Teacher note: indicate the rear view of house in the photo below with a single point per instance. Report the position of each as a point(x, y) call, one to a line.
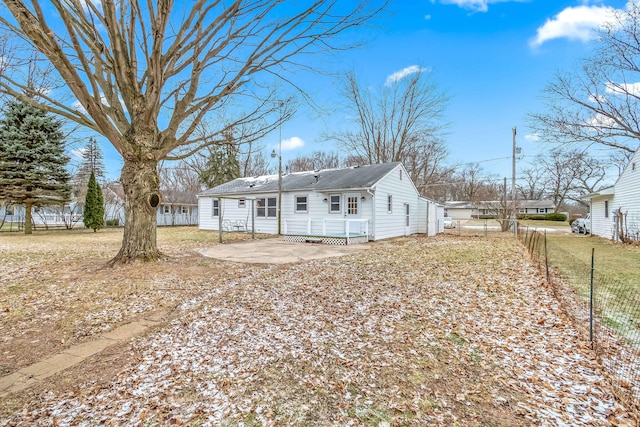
point(341, 206)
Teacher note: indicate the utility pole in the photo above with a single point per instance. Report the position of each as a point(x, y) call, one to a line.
point(513, 187)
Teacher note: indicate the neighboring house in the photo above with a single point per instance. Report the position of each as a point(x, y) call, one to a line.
point(45, 216)
point(176, 207)
point(338, 206)
point(481, 209)
point(618, 207)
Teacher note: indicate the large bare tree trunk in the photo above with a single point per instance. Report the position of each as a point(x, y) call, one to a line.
point(139, 179)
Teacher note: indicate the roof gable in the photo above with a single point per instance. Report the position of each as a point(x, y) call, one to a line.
point(357, 177)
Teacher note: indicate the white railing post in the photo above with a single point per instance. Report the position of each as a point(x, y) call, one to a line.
point(346, 226)
point(324, 226)
point(285, 226)
point(309, 226)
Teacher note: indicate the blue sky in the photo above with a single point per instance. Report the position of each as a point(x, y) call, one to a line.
point(492, 57)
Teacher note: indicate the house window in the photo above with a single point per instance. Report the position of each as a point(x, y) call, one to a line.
point(407, 216)
point(522, 211)
point(352, 205)
point(633, 166)
point(166, 209)
point(8, 210)
point(216, 207)
point(266, 207)
point(184, 210)
point(400, 174)
point(301, 203)
point(334, 205)
point(389, 203)
point(542, 210)
point(606, 209)
point(242, 203)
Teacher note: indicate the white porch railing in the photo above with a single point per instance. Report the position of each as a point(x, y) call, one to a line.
point(289, 223)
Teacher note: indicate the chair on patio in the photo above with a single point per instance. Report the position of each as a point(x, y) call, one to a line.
point(240, 225)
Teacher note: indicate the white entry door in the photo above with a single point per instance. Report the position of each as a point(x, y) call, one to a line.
point(352, 206)
point(352, 210)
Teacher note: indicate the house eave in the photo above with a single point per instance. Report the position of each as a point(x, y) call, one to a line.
point(609, 191)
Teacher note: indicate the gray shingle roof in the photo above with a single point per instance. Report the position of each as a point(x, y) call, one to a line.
point(358, 177)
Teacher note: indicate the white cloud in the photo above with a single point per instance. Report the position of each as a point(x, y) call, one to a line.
point(574, 23)
point(78, 153)
point(292, 143)
point(600, 121)
point(624, 88)
point(475, 5)
point(533, 137)
point(399, 75)
point(427, 17)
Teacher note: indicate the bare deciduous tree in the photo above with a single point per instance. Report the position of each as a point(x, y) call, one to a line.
point(315, 161)
point(598, 102)
point(403, 121)
point(534, 183)
point(160, 80)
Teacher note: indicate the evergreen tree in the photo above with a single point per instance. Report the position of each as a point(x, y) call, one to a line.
point(222, 166)
point(32, 159)
point(94, 205)
point(92, 162)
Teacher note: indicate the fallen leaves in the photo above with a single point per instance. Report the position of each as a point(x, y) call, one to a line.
point(433, 331)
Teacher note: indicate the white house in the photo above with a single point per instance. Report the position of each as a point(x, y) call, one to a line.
point(338, 206)
point(618, 205)
point(176, 207)
point(482, 209)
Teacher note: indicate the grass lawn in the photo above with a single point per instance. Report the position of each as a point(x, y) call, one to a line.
point(616, 277)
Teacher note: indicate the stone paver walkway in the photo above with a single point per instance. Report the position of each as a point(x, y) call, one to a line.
point(30, 375)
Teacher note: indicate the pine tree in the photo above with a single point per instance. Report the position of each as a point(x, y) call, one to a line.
point(92, 162)
point(32, 159)
point(94, 205)
point(222, 166)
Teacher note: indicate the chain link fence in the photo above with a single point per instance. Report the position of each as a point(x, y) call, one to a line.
point(605, 309)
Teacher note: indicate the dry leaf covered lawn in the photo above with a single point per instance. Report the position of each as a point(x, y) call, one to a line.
point(439, 331)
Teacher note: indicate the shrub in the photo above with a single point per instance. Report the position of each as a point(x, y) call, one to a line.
point(555, 217)
point(112, 222)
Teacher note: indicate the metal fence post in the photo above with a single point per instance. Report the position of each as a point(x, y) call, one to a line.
point(591, 297)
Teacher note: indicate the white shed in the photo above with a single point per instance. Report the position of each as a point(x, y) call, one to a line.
point(342, 206)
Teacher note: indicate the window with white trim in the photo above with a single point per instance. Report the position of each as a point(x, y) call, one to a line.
point(606, 209)
point(301, 204)
point(334, 203)
point(185, 210)
point(266, 207)
point(242, 203)
point(389, 203)
point(216, 207)
point(166, 209)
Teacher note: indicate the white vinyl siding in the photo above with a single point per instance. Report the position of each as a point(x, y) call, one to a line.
point(627, 197)
point(392, 224)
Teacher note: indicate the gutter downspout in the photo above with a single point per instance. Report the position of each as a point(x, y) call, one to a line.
point(373, 213)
